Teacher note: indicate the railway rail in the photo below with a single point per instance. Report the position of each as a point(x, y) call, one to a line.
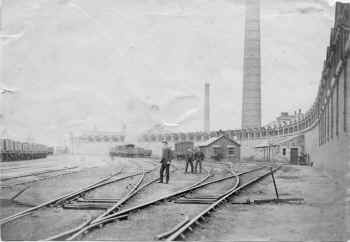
point(38, 178)
point(73, 195)
point(113, 208)
point(101, 219)
point(120, 214)
point(68, 200)
point(37, 173)
point(189, 226)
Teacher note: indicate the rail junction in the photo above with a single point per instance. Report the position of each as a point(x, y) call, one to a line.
point(115, 212)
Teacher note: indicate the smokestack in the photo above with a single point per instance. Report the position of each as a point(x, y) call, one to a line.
point(206, 108)
point(251, 104)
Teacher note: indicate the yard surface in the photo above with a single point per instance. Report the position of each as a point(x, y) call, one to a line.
point(320, 217)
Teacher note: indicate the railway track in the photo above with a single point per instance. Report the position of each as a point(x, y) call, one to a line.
point(201, 217)
point(112, 216)
point(37, 173)
point(67, 201)
point(114, 211)
point(103, 218)
point(67, 198)
point(37, 179)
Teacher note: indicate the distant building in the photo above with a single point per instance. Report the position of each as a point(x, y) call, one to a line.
point(222, 147)
point(59, 150)
point(287, 149)
point(95, 142)
point(285, 118)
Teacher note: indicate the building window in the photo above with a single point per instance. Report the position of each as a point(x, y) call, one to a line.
point(231, 150)
point(217, 150)
point(284, 151)
point(217, 153)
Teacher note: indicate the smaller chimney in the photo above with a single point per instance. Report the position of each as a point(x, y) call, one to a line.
point(206, 108)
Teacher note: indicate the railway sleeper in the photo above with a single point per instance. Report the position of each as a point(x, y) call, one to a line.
point(86, 206)
point(272, 200)
point(203, 197)
point(97, 200)
point(198, 223)
point(194, 202)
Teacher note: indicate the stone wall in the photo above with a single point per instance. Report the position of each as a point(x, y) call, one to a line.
point(328, 141)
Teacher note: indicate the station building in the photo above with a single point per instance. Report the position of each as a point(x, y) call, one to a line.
point(285, 149)
point(222, 147)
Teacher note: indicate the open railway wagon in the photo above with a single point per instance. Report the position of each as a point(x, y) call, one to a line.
point(11, 150)
point(129, 150)
point(181, 149)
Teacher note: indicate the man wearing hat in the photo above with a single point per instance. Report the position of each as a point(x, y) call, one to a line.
point(166, 160)
point(189, 159)
point(198, 157)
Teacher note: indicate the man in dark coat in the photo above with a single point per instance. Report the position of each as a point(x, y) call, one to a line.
point(165, 161)
point(189, 160)
point(199, 157)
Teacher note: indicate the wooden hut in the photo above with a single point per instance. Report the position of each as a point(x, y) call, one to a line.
point(221, 147)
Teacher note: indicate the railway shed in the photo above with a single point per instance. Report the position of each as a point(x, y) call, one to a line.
point(290, 149)
point(222, 147)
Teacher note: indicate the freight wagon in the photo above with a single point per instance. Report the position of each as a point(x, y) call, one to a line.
point(11, 150)
point(181, 149)
point(129, 150)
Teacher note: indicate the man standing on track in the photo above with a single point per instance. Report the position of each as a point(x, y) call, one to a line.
point(199, 157)
point(189, 159)
point(166, 160)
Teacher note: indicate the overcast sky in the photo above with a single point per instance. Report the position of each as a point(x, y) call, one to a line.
point(79, 64)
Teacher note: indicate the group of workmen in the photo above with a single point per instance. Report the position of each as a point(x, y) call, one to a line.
point(195, 156)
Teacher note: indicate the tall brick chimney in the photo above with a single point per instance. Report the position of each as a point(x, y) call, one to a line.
point(251, 105)
point(206, 108)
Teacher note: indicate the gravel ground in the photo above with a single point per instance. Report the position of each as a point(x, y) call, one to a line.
point(178, 181)
point(321, 217)
point(45, 223)
point(154, 220)
point(42, 191)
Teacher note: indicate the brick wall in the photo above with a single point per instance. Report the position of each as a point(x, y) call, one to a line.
point(333, 153)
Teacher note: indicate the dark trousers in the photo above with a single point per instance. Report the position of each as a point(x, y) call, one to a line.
point(198, 162)
point(164, 167)
point(189, 162)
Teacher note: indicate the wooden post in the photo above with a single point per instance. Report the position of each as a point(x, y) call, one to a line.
point(264, 153)
point(274, 183)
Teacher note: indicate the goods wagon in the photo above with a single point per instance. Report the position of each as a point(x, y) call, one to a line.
point(181, 149)
point(50, 150)
point(11, 150)
point(129, 150)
